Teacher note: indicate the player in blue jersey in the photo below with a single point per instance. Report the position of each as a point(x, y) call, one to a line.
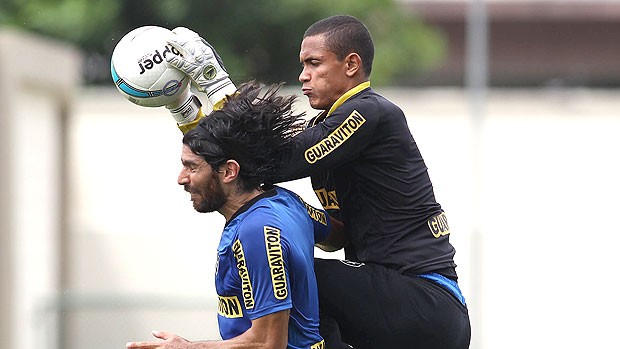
point(265, 281)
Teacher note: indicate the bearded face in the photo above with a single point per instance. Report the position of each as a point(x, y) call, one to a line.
point(202, 182)
point(210, 196)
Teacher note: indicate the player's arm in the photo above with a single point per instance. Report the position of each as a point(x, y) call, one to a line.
point(269, 331)
point(335, 239)
point(334, 142)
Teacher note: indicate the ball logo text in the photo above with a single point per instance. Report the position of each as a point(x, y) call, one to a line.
point(148, 62)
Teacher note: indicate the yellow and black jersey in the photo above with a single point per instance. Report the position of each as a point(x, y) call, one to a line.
point(367, 171)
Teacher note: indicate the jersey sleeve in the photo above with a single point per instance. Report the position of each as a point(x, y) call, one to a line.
point(320, 221)
point(332, 142)
point(321, 226)
point(266, 255)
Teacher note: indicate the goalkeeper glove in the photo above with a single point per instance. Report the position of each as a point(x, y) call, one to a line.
point(202, 64)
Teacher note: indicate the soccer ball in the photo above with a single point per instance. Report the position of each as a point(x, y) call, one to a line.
point(140, 72)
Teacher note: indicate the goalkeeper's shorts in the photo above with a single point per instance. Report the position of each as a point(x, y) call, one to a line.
point(371, 306)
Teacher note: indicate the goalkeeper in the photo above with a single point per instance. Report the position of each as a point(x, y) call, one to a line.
point(398, 287)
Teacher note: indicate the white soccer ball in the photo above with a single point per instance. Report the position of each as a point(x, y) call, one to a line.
point(140, 72)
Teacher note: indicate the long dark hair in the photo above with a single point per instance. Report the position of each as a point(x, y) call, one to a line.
point(252, 128)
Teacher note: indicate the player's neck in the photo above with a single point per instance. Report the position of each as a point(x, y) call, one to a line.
point(236, 201)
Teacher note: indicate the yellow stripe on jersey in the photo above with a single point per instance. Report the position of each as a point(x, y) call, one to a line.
point(229, 307)
point(439, 225)
point(276, 262)
point(319, 345)
point(313, 212)
point(328, 199)
point(246, 284)
point(335, 139)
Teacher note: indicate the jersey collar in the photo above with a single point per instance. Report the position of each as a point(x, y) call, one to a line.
point(348, 95)
point(271, 191)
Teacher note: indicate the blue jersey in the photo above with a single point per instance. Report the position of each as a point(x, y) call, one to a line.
point(266, 264)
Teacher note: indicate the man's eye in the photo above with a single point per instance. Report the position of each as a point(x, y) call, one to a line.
point(312, 63)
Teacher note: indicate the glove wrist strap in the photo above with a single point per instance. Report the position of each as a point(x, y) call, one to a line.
point(186, 108)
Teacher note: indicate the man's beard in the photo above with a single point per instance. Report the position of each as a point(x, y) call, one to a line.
point(214, 197)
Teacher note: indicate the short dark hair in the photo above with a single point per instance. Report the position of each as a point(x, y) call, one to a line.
point(253, 129)
point(343, 35)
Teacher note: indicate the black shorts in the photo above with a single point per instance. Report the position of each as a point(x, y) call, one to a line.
point(371, 306)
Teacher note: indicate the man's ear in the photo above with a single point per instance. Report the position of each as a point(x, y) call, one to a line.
point(230, 171)
point(353, 63)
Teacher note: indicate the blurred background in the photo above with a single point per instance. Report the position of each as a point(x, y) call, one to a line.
point(515, 105)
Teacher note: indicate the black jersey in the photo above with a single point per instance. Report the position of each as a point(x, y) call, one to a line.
point(367, 171)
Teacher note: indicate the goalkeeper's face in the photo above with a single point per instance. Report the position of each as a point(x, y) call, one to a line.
point(202, 182)
point(324, 77)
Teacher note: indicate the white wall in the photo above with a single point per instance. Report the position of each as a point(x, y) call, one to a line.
point(37, 78)
point(535, 267)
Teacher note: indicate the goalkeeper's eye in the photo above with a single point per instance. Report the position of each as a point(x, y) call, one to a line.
point(310, 62)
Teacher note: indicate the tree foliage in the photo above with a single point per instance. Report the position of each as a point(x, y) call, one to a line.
point(256, 39)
